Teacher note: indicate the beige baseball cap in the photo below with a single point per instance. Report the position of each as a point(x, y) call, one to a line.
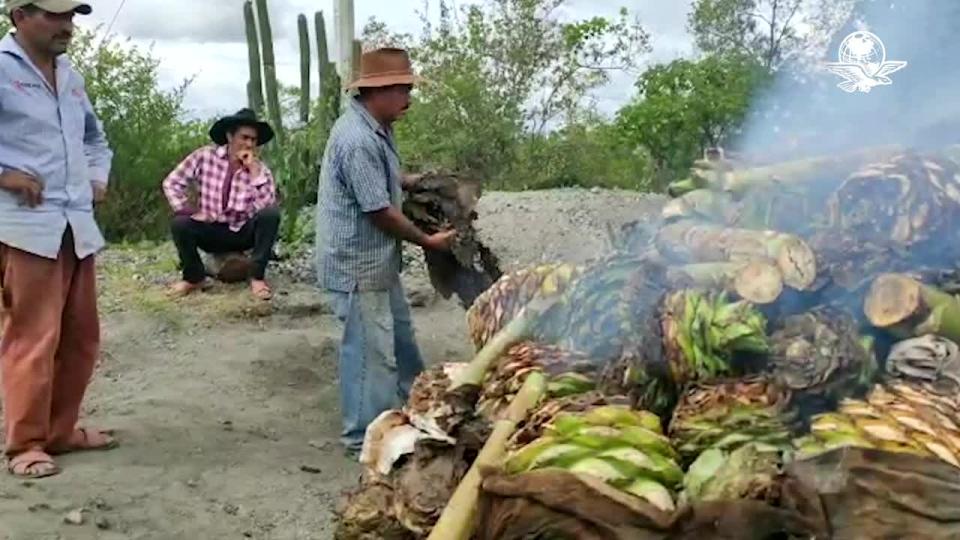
point(53, 6)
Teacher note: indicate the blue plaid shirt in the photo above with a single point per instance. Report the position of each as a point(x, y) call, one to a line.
point(57, 138)
point(360, 173)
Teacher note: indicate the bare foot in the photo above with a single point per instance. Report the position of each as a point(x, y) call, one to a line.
point(183, 288)
point(260, 289)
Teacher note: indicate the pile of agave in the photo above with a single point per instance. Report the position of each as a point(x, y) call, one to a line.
point(675, 393)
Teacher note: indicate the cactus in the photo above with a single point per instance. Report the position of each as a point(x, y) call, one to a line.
point(269, 69)
point(255, 85)
point(323, 56)
point(304, 68)
point(329, 80)
point(355, 58)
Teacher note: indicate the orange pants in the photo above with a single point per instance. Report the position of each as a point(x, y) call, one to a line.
point(49, 346)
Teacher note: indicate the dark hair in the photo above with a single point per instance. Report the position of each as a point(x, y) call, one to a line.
point(233, 128)
point(31, 9)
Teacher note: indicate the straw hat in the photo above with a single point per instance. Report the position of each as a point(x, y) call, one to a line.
point(384, 67)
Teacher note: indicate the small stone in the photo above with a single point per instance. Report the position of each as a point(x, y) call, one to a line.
point(309, 469)
point(320, 445)
point(38, 507)
point(74, 517)
point(231, 509)
point(101, 504)
point(192, 483)
point(102, 523)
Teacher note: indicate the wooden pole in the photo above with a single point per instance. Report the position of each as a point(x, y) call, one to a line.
point(458, 519)
point(343, 14)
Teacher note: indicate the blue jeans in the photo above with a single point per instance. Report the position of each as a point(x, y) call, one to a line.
point(379, 357)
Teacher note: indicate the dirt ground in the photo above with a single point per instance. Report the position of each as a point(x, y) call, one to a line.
point(227, 411)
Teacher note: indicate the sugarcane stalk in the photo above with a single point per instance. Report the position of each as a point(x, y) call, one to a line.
point(801, 170)
point(304, 68)
point(457, 521)
point(517, 330)
point(697, 242)
point(758, 281)
point(255, 85)
point(908, 308)
point(270, 69)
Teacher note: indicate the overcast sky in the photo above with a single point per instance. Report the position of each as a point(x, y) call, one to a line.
point(204, 39)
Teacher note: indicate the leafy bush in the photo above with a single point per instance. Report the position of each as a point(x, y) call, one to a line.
point(144, 125)
point(501, 75)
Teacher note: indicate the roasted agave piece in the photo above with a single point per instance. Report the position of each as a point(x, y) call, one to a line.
point(568, 373)
point(928, 358)
point(730, 413)
point(897, 416)
point(501, 303)
point(619, 445)
point(821, 358)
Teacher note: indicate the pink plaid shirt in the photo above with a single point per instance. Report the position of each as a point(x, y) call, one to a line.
point(207, 167)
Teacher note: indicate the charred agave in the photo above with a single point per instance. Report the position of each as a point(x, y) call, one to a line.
point(728, 414)
point(821, 358)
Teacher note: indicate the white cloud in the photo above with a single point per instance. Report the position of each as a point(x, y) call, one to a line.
point(204, 39)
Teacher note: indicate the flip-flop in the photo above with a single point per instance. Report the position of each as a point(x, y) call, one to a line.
point(20, 464)
point(84, 444)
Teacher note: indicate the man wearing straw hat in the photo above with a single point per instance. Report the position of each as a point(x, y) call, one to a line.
point(360, 229)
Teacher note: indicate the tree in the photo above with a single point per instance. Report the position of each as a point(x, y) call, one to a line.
point(500, 73)
point(764, 28)
point(144, 125)
point(687, 106)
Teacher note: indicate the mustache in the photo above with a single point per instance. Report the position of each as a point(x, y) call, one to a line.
point(63, 35)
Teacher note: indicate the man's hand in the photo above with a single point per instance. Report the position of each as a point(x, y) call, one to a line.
point(409, 181)
point(250, 162)
point(441, 241)
point(201, 217)
point(28, 188)
point(99, 192)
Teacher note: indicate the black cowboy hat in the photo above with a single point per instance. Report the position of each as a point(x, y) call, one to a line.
point(243, 117)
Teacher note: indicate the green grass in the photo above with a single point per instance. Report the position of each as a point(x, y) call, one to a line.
point(136, 277)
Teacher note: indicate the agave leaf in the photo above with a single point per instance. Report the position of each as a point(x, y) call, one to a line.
point(622, 416)
point(702, 470)
point(599, 468)
point(523, 458)
point(652, 492)
point(634, 463)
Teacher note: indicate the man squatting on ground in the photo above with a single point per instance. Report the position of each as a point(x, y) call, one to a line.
point(360, 227)
point(54, 166)
point(238, 202)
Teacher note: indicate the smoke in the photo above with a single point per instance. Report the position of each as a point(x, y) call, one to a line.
point(920, 109)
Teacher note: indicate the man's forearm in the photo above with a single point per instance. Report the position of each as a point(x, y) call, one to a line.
point(393, 222)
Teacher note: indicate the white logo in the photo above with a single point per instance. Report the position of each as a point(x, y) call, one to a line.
point(863, 63)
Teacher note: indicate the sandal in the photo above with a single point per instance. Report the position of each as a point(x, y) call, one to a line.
point(86, 439)
point(24, 465)
point(261, 290)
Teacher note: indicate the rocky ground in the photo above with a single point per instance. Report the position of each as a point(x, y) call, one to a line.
point(227, 409)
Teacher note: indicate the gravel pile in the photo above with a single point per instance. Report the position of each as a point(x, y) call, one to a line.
point(525, 228)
